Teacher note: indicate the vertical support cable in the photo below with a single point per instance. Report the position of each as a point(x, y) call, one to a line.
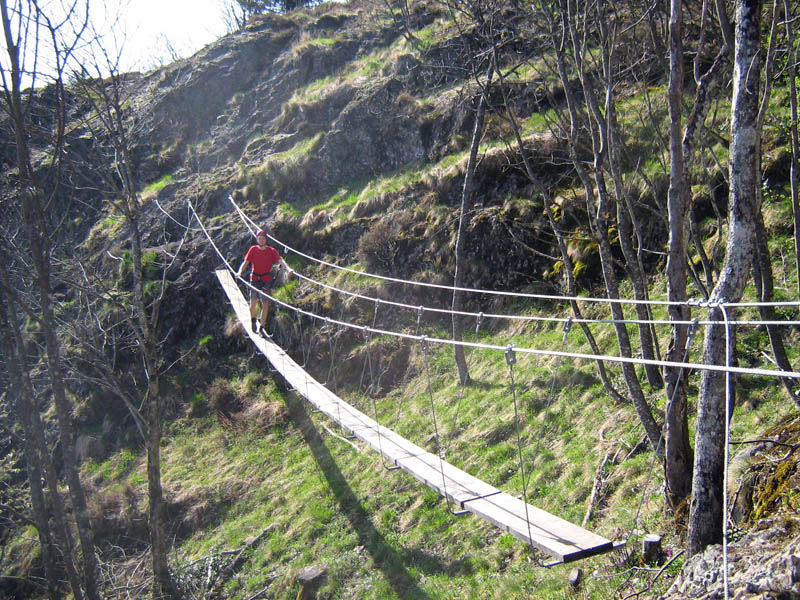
point(424, 343)
point(478, 322)
point(550, 394)
point(728, 376)
point(511, 359)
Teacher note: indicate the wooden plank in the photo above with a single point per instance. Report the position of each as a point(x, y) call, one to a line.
point(557, 537)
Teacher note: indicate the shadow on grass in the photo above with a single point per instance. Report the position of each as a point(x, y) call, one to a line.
point(384, 556)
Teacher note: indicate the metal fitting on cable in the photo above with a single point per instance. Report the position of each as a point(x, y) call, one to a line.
point(511, 357)
point(692, 331)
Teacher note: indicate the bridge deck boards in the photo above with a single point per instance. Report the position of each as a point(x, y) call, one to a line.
point(561, 539)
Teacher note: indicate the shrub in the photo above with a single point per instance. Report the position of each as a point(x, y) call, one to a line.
point(223, 397)
point(378, 248)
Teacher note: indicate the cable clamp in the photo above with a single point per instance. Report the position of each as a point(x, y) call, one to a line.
point(511, 357)
point(567, 326)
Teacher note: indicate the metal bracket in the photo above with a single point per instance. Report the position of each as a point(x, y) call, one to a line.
point(458, 513)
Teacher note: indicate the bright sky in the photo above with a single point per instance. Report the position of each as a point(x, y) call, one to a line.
point(151, 26)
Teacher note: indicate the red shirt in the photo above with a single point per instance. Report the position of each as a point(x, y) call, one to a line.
point(262, 261)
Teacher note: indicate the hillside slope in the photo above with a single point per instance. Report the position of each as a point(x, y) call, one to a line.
point(349, 139)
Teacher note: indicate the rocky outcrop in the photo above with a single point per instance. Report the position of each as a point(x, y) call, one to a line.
point(764, 564)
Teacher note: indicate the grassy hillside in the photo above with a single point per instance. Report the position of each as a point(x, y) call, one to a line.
point(250, 462)
point(350, 141)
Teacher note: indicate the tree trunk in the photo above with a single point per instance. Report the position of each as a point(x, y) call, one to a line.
point(162, 582)
point(677, 450)
point(466, 206)
point(706, 510)
point(762, 263)
point(36, 232)
point(627, 224)
point(568, 267)
point(34, 224)
point(765, 288)
point(11, 338)
point(795, 168)
point(598, 218)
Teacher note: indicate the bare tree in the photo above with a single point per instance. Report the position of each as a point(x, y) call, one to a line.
point(795, 168)
point(678, 452)
point(762, 263)
point(11, 338)
point(475, 21)
point(116, 126)
point(706, 514)
point(236, 13)
point(25, 24)
point(585, 117)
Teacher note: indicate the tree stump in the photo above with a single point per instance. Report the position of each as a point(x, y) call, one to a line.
point(575, 577)
point(309, 578)
point(651, 548)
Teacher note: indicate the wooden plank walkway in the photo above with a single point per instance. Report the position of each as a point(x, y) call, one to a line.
point(560, 539)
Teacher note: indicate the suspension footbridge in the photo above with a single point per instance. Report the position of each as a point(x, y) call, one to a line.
point(562, 540)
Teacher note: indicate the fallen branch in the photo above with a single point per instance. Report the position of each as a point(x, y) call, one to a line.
point(596, 489)
point(260, 592)
point(660, 572)
point(225, 573)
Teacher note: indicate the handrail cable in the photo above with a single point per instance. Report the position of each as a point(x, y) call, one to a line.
point(511, 360)
point(536, 351)
point(555, 297)
point(532, 318)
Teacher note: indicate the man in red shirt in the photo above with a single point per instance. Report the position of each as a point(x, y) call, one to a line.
point(261, 258)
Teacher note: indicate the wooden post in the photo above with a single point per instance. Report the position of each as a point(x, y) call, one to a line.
point(309, 577)
point(651, 547)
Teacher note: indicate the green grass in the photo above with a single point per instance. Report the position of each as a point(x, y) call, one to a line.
point(159, 185)
point(383, 534)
